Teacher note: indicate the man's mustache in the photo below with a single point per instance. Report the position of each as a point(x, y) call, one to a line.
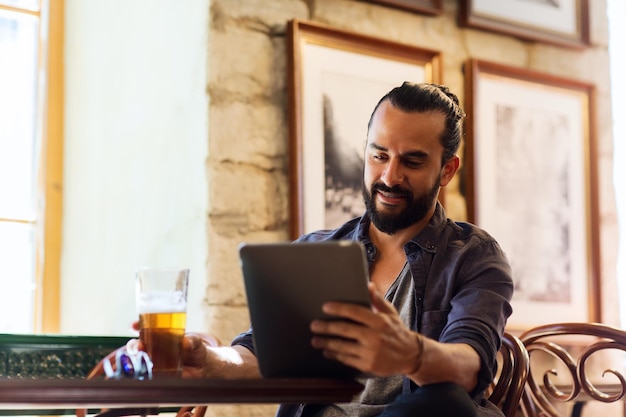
point(396, 189)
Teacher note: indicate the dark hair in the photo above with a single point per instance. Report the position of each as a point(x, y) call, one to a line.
point(425, 97)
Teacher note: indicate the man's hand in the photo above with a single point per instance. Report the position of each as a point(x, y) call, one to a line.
point(203, 357)
point(377, 342)
point(374, 341)
point(198, 360)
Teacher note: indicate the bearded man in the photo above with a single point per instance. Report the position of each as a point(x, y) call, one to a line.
point(440, 289)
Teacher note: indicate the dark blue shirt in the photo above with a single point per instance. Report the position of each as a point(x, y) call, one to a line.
point(462, 282)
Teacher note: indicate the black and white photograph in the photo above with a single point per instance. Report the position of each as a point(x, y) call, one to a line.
point(337, 78)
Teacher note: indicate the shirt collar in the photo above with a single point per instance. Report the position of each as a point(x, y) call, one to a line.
point(426, 239)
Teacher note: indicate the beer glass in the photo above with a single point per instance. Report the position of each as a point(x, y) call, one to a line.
point(162, 307)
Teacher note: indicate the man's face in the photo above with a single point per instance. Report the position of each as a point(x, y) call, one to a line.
point(403, 169)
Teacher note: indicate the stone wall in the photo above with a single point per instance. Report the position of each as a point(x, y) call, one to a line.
point(248, 124)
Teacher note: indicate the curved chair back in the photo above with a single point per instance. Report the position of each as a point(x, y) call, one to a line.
point(509, 384)
point(98, 371)
point(566, 350)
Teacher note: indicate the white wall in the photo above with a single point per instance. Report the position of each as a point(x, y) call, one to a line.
point(617, 33)
point(136, 142)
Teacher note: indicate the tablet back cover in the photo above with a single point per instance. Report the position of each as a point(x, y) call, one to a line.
point(286, 285)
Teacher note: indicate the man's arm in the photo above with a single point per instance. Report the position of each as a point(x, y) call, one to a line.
point(445, 362)
point(203, 360)
point(379, 343)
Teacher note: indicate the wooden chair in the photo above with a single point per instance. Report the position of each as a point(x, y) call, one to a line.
point(564, 371)
point(513, 370)
point(98, 372)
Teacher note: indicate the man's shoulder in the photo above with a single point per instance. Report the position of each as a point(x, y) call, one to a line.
point(348, 230)
point(465, 231)
point(442, 227)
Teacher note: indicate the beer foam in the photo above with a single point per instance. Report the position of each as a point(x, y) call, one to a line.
point(161, 302)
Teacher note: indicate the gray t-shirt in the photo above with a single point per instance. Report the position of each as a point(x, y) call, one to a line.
point(380, 391)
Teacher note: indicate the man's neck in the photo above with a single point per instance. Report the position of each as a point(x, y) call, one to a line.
point(390, 255)
point(385, 242)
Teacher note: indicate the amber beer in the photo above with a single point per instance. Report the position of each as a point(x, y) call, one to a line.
point(162, 309)
point(162, 335)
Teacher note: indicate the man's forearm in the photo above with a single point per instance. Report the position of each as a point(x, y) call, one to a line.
point(447, 362)
point(236, 362)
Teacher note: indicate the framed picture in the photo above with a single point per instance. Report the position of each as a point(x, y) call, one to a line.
point(532, 184)
point(431, 7)
point(335, 80)
point(560, 22)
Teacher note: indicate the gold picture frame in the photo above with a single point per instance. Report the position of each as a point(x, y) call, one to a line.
point(429, 7)
point(559, 22)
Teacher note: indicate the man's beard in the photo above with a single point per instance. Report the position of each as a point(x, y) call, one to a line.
point(416, 208)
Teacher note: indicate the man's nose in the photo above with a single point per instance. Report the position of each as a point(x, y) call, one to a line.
point(393, 173)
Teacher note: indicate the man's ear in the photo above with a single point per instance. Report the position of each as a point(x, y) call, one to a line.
point(449, 169)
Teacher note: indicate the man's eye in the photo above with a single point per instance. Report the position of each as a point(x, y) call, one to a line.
point(413, 164)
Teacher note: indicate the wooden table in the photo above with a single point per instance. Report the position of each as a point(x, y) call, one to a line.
point(70, 394)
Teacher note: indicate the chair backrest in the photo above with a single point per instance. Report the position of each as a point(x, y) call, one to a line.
point(513, 370)
point(568, 361)
point(98, 371)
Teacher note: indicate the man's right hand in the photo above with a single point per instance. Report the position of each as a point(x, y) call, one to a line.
point(205, 357)
point(199, 359)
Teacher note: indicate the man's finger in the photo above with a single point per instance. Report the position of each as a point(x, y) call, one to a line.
point(378, 301)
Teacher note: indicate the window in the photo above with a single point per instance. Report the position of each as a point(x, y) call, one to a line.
point(30, 144)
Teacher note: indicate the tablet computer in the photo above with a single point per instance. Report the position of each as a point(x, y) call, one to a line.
point(286, 285)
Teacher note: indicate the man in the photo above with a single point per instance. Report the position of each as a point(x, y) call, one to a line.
point(440, 290)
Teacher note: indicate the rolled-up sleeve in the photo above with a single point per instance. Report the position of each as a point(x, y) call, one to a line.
point(244, 339)
point(481, 306)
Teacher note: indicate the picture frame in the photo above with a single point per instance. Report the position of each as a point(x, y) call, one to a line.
point(429, 7)
point(559, 22)
point(336, 77)
point(531, 182)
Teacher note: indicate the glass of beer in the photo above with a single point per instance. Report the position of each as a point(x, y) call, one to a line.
point(162, 307)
